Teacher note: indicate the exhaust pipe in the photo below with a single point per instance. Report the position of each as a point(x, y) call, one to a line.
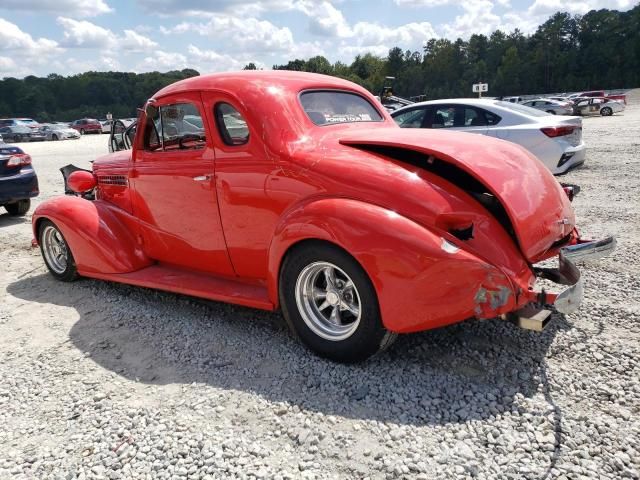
point(530, 318)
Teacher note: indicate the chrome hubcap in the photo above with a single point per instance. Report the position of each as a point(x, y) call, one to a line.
point(55, 249)
point(328, 301)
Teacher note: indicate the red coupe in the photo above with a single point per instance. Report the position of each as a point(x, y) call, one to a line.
point(296, 191)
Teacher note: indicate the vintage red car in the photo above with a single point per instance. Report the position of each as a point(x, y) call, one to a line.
point(296, 191)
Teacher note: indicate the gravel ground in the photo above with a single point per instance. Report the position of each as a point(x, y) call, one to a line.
point(105, 381)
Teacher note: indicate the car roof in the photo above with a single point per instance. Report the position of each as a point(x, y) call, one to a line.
point(252, 79)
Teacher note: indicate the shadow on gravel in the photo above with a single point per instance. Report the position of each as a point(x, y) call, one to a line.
point(7, 220)
point(455, 374)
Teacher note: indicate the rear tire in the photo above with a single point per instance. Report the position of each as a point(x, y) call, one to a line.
point(19, 208)
point(606, 112)
point(54, 137)
point(82, 132)
point(56, 252)
point(331, 305)
point(551, 112)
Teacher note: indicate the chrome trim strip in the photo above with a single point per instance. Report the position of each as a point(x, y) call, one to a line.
point(589, 250)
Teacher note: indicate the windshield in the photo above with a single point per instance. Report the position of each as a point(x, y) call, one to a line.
point(516, 107)
point(27, 121)
point(330, 106)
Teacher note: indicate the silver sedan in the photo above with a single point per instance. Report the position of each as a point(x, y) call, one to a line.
point(548, 105)
point(56, 131)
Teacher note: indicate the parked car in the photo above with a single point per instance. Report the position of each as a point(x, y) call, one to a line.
point(87, 125)
point(600, 93)
point(323, 207)
point(18, 180)
point(17, 122)
point(21, 133)
point(548, 105)
point(512, 99)
point(597, 106)
point(106, 126)
point(556, 140)
point(55, 131)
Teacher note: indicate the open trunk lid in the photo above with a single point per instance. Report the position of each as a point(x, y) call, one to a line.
point(538, 209)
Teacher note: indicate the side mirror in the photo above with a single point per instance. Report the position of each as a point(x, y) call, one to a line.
point(81, 181)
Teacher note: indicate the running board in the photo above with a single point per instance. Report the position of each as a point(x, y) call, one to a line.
point(196, 284)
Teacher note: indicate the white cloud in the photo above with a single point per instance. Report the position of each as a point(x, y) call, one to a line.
point(240, 34)
point(14, 39)
point(208, 7)
point(72, 8)
point(324, 18)
point(162, 61)
point(545, 8)
point(84, 34)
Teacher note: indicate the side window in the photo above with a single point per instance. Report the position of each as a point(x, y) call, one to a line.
point(491, 118)
point(443, 117)
point(411, 119)
point(231, 124)
point(473, 118)
point(176, 126)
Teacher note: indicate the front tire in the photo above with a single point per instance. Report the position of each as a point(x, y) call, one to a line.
point(54, 137)
point(552, 112)
point(82, 132)
point(56, 253)
point(19, 208)
point(606, 112)
point(331, 305)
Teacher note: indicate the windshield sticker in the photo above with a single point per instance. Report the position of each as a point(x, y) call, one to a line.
point(347, 117)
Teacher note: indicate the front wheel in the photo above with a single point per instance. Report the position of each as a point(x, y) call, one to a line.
point(330, 303)
point(19, 208)
point(54, 137)
point(82, 132)
point(552, 112)
point(56, 253)
point(606, 112)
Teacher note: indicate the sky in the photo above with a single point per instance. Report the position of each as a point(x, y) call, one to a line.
point(39, 37)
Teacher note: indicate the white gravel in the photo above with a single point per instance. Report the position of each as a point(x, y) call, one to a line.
point(105, 381)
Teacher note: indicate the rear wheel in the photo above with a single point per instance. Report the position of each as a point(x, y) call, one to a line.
point(19, 208)
point(330, 303)
point(551, 112)
point(56, 253)
point(54, 137)
point(82, 132)
point(606, 112)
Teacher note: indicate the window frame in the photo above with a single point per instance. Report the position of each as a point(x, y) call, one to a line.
point(148, 123)
point(219, 122)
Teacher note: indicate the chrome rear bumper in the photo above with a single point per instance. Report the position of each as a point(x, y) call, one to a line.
point(535, 316)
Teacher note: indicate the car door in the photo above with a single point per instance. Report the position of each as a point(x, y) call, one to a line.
point(175, 198)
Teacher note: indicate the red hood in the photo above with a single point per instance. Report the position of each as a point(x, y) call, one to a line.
point(536, 204)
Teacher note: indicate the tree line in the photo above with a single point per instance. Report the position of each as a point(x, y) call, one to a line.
point(600, 49)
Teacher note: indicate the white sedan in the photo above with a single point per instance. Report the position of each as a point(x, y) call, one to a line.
point(597, 106)
point(555, 139)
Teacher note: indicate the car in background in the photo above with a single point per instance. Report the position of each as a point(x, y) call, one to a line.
point(597, 106)
point(18, 180)
point(55, 131)
point(548, 105)
point(21, 133)
point(600, 93)
point(512, 99)
point(17, 122)
point(86, 125)
point(556, 140)
point(106, 126)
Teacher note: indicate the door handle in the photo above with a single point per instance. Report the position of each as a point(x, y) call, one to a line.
point(202, 178)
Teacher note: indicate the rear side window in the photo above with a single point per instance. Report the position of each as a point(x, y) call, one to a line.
point(231, 124)
point(411, 118)
point(326, 107)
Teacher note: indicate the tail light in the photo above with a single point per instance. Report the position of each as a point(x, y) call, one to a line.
point(553, 132)
point(19, 160)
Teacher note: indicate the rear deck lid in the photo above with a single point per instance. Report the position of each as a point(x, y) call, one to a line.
point(534, 201)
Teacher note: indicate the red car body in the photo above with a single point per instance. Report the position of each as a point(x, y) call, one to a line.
point(218, 222)
point(86, 125)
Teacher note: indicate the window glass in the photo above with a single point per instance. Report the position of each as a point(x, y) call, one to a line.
point(177, 126)
point(444, 117)
point(491, 118)
point(411, 119)
point(473, 118)
point(330, 107)
point(231, 124)
point(523, 109)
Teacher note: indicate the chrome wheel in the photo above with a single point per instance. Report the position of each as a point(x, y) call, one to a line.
point(55, 249)
point(328, 301)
